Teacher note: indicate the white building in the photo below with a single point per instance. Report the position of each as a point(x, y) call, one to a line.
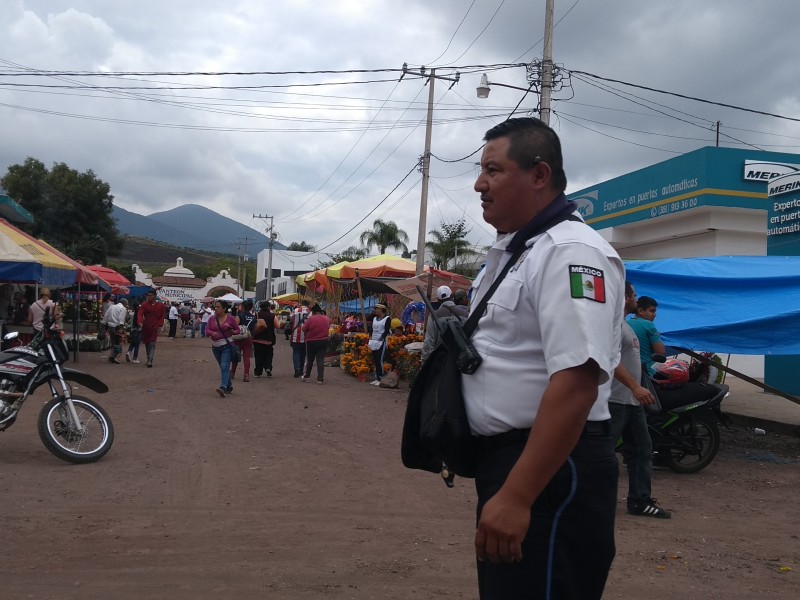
point(286, 266)
point(179, 283)
point(709, 202)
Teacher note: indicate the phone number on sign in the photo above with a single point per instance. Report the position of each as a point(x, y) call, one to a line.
point(672, 207)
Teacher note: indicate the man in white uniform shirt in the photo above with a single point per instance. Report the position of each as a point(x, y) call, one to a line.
point(546, 474)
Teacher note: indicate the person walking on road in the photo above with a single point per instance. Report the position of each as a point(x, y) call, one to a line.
point(135, 338)
point(264, 341)
point(173, 320)
point(316, 329)
point(221, 327)
point(247, 319)
point(114, 320)
point(151, 319)
point(298, 339)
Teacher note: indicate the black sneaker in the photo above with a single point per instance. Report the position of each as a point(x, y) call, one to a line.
point(269, 373)
point(230, 389)
point(219, 390)
point(648, 508)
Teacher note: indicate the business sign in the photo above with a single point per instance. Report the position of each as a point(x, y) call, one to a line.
point(724, 177)
point(175, 294)
point(784, 210)
point(759, 170)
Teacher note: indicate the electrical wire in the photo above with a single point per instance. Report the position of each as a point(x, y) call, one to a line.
point(554, 26)
point(480, 34)
point(452, 37)
point(363, 133)
point(626, 94)
point(561, 116)
point(364, 218)
point(685, 97)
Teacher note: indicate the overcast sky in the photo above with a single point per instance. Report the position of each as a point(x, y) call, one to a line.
point(319, 152)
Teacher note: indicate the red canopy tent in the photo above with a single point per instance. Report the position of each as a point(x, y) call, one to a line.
point(116, 281)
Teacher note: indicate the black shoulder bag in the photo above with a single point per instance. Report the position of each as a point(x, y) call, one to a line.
point(436, 429)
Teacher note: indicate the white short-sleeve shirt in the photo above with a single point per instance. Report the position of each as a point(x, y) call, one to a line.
point(558, 307)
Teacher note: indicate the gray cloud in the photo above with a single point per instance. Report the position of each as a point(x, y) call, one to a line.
point(299, 154)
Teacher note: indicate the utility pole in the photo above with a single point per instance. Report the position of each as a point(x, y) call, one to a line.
point(426, 158)
point(238, 268)
point(239, 287)
point(547, 64)
point(718, 124)
point(271, 236)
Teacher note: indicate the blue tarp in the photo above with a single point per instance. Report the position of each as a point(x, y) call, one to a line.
point(354, 306)
point(725, 304)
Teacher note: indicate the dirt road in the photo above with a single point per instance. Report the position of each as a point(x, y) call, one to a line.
point(295, 491)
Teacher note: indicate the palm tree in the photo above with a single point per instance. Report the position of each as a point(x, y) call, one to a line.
point(384, 234)
point(449, 244)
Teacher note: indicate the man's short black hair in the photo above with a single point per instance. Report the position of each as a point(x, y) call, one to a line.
point(645, 302)
point(531, 138)
point(628, 288)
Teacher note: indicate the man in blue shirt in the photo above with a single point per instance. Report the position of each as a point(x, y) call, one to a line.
point(649, 339)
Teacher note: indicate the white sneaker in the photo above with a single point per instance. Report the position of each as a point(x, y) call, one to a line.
point(134, 361)
point(128, 356)
point(375, 383)
point(304, 379)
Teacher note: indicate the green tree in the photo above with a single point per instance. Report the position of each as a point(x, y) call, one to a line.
point(301, 247)
point(450, 244)
point(352, 253)
point(71, 210)
point(384, 234)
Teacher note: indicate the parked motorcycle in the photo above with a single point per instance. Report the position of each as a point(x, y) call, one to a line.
point(74, 428)
point(683, 426)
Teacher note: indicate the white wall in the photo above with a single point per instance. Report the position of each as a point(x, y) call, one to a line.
point(704, 231)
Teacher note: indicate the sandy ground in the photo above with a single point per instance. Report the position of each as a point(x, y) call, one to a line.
point(296, 491)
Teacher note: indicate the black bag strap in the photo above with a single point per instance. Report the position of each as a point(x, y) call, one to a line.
point(474, 317)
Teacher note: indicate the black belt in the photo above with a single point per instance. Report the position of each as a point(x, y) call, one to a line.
point(592, 429)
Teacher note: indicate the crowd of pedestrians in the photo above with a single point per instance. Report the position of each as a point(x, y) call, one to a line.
point(242, 336)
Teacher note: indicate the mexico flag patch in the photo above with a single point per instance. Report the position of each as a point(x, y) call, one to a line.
point(587, 282)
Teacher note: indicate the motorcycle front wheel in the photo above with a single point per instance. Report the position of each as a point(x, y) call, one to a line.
point(76, 443)
point(699, 442)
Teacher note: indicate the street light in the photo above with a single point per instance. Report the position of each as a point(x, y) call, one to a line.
point(483, 89)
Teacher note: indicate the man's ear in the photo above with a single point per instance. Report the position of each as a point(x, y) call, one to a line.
point(541, 175)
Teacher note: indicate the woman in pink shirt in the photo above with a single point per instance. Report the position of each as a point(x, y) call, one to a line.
point(316, 334)
point(220, 328)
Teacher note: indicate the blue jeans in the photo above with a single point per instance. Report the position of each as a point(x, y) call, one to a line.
point(630, 423)
point(298, 356)
point(202, 330)
point(223, 356)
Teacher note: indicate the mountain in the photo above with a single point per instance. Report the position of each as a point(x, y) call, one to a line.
point(192, 226)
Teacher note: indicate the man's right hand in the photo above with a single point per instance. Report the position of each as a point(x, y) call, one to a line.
point(643, 396)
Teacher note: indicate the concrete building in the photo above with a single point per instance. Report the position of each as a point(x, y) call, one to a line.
point(179, 283)
point(286, 266)
point(710, 202)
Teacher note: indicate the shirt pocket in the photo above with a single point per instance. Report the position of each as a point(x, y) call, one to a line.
point(501, 322)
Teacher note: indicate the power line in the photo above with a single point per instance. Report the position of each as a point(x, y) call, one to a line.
point(452, 37)
point(414, 168)
point(684, 96)
point(481, 33)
